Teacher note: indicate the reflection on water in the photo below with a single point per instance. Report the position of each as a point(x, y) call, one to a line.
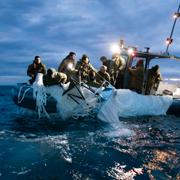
point(119, 172)
point(162, 161)
point(142, 148)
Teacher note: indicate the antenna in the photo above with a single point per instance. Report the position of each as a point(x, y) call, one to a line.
point(170, 40)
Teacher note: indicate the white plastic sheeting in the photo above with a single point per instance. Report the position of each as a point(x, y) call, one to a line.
point(39, 93)
point(71, 103)
point(126, 103)
point(176, 94)
point(117, 103)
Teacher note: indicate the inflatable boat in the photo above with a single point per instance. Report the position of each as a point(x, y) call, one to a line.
point(82, 99)
point(77, 98)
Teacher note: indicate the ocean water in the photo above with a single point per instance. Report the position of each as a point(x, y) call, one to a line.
point(138, 148)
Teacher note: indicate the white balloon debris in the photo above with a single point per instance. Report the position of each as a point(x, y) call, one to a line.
point(126, 103)
point(39, 93)
point(80, 101)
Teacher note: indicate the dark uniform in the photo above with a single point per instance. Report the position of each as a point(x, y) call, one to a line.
point(101, 77)
point(106, 62)
point(137, 77)
point(34, 69)
point(54, 78)
point(153, 80)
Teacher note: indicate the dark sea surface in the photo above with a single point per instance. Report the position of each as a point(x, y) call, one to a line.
point(86, 148)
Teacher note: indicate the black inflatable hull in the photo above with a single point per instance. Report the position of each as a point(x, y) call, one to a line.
point(174, 109)
point(29, 103)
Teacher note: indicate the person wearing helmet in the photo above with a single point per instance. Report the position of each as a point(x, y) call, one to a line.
point(54, 78)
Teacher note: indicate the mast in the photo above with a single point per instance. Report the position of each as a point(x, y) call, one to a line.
point(170, 40)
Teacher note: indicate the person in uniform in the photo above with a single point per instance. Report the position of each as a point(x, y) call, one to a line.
point(106, 62)
point(117, 68)
point(137, 76)
point(102, 75)
point(153, 79)
point(67, 65)
point(36, 67)
point(54, 78)
point(84, 69)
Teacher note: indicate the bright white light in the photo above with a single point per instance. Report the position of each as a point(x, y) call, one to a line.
point(130, 51)
point(167, 42)
point(70, 66)
point(175, 16)
point(115, 48)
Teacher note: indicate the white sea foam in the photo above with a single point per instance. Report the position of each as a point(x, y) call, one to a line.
point(119, 130)
point(119, 172)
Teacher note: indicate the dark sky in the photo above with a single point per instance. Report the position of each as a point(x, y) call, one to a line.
point(52, 28)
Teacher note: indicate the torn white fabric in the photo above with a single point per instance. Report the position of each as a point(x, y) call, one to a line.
point(126, 103)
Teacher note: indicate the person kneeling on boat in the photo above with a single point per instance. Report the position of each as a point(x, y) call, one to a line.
point(36, 67)
point(106, 62)
point(84, 69)
point(54, 78)
point(102, 75)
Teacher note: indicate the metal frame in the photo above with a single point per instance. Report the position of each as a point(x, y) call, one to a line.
point(148, 56)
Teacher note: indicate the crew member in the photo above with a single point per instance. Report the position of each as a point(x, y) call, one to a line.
point(102, 75)
point(36, 67)
point(137, 76)
point(67, 65)
point(54, 78)
point(117, 66)
point(153, 80)
point(84, 68)
point(106, 62)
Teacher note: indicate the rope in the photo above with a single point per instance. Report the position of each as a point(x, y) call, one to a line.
point(39, 93)
point(19, 94)
point(85, 111)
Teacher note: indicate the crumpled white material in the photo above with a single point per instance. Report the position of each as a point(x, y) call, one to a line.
point(176, 94)
point(126, 103)
point(39, 94)
point(67, 107)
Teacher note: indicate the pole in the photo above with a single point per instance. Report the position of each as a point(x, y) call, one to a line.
point(172, 30)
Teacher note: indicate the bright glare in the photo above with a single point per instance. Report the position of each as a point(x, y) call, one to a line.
point(115, 48)
point(130, 51)
point(167, 42)
point(70, 66)
point(175, 16)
